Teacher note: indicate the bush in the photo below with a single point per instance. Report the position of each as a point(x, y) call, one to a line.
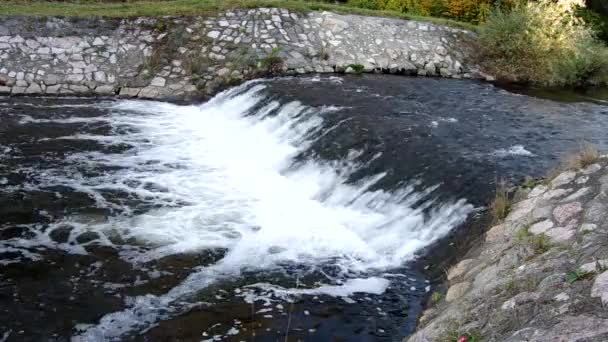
point(541, 42)
point(598, 21)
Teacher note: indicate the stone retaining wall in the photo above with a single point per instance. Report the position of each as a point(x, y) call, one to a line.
point(180, 57)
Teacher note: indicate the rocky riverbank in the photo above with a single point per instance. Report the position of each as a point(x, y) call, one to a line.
point(185, 57)
point(540, 275)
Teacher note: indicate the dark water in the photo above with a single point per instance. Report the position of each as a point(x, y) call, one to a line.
point(79, 178)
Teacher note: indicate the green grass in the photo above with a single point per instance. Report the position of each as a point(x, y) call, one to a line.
point(152, 8)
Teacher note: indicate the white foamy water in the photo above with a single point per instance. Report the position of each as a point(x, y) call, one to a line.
point(515, 150)
point(222, 176)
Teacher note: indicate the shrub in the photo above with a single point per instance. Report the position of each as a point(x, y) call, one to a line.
point(541, 42)
point(367, 4)
point(598, 21)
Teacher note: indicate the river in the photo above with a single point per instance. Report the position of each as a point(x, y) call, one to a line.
point(313, 208)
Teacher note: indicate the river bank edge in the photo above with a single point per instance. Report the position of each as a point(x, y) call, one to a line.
point(541, 274)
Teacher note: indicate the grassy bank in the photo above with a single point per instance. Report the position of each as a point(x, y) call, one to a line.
point(86, 8)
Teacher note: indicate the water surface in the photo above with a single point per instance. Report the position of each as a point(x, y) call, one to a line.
point(311, 208)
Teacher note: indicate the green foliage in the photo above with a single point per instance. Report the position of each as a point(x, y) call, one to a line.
point(470, 336)
point(597, 21)
point(273, 62)
point(576, 275)
point(436, 297)
point(510, 286)
point(367, 4)
point(523, 234)
point(543, 43)
point(357, 68)
point(529, 183)
point(539, 243)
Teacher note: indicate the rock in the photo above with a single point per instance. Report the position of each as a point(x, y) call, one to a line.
point(578, 194)
point(569, 329)
point(496, 233)
point(87, 237)
point(556, 193)
point(53, 89)
point(595, 266)
point(33, 89)
point(596, 211)
point(561, 297)
point(563, 179)
point(213, 34)
point(551, 282)
point(591, 169)
point(600, 288)
point(541, 227)
point(519, 299)
point(582, 180)
point(459, 269)
point(17, 90)
point(587, 227)
point(542, 212)
point(149, 93)
point(537, 191)
point(566, 211)
point(98, 42)
point(561, 234)
point(457, 290)
point(104, 90)
point(74, 78)
point(522, 209)
point(488, 279)
point(51, 79)
point(5, 90)
point(100, 76)
point(129, 92)
point(158, 82)
point(223, 72)
point(61, 234)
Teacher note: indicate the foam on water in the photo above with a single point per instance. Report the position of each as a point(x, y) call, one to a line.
point(515, 150)
point(224, 177)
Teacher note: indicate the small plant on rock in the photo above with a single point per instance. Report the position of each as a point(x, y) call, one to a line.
point(510, 286)
point(273, 62)
point(529, 183)
point(471, 336)
point(523, 234)
point(540, 243)
point(357, 68)
point(587, 155)
point(436, 297)
point(500, 206)
point(576, 275)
